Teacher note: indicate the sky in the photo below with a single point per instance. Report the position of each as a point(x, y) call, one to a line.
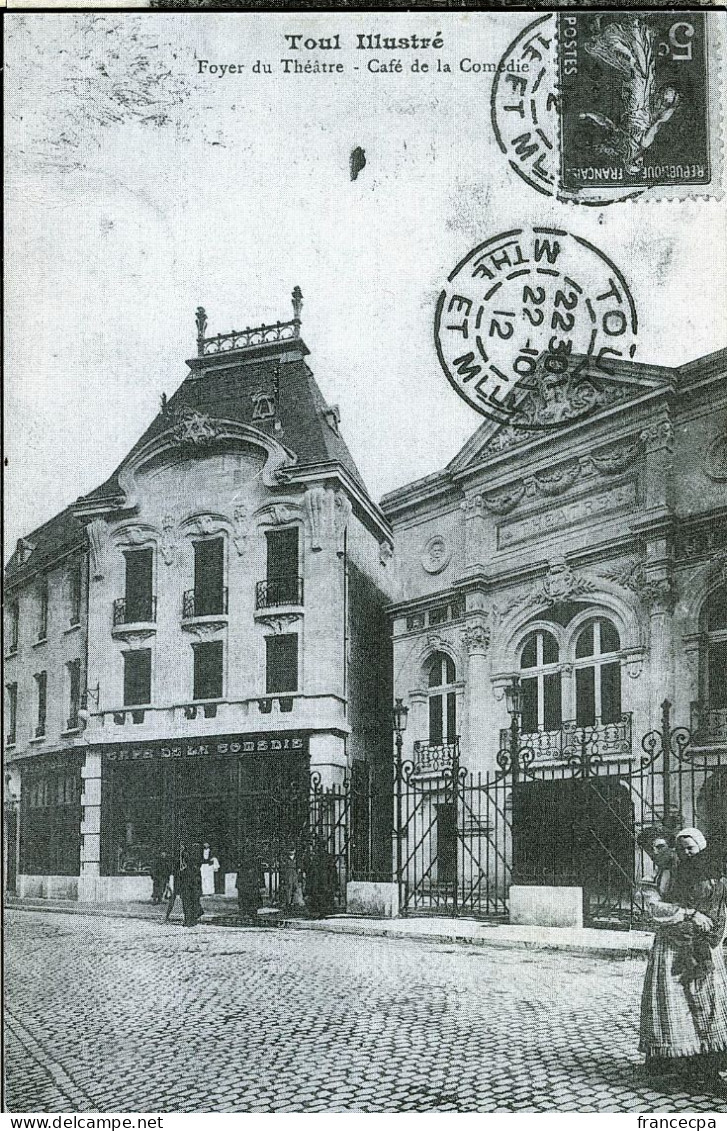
point(138, 188)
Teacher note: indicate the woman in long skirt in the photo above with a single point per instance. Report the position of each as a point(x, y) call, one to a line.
point(684, 1001)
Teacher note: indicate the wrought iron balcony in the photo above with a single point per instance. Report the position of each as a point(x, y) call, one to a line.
point(708, 725)
point(204, 604)
point(573, 741)
point(245, 339)
point(279, 591)
point(435, 758)
point(142, 611)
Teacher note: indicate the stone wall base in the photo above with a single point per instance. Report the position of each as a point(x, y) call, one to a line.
point(380, 901)
point(48, 887)
point(546, 906)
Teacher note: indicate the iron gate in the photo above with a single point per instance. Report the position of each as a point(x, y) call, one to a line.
point(563, 808)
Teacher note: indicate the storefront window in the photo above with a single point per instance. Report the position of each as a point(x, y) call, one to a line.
point(50, 828)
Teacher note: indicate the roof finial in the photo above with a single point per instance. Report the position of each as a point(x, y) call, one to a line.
point(297, 304)
point(201, 320)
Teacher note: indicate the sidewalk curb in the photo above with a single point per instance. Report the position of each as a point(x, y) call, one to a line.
point(376, 929)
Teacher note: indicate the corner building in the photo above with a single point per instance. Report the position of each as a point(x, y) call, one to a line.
point(590, 562)
point(231, 639)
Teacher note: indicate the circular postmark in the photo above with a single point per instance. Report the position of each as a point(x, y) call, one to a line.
point(524, 106)
point(526, 115)
point(530, 324)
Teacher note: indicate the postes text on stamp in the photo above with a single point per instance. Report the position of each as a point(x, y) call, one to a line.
point(529, 325)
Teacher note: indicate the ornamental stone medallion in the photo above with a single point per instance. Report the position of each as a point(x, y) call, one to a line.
point(436, 555)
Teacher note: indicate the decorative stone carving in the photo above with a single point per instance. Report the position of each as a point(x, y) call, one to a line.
point(657, 435)
point(504, 500)
point(327, 512)
point(386, 552)
point(436, 555)
point(278, 514)
point(239, 528)
point(168, 544)
point(561, 583)
point(135, 535)
point(195, 429)
point(615, 457)
point(634, 663)
point(203, 632)
point(553, 482)
point(473, 507)
point(264, 404)
point(630, 574)
point(204, 525)
point(200, 317)
point(659, 595)
point(476, 638)
point(133, 636)
point(279, 624)
point(97, 531)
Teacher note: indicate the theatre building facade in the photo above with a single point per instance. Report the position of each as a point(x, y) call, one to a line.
point(198, 650)
point(558, 587)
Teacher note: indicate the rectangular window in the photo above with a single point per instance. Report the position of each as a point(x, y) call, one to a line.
point(76, 583)
point(41, 681)
point(451, 716)
point(13, 625)
point(74, 703)
point(209, 577)
point(12, 690)
point(281, 669)
point(435, 719)
point(585, 697)
point(552, 716)
point(611, 693)
point(139, 585)
point(530, 705)
point(43, 609)
point(137, 677)
point(208, 659)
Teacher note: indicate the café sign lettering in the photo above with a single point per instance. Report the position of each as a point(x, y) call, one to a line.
point(238, 744)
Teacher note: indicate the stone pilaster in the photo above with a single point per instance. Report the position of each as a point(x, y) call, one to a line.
point(90, 827)
point(476, 639)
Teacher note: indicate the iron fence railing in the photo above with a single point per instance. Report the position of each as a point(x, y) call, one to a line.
point(203, 604)
point(275, 591)
point(139, 611)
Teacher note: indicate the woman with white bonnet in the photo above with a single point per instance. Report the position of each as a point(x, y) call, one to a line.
point(684, 1001)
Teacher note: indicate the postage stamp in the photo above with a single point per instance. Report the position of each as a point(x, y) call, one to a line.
point(596, 108)
point(634, 99)
point(528, 321)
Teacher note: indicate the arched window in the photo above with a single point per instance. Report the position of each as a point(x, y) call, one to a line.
point(540, 683)
point(442, 700)
point(598, 674)
point(716, 666)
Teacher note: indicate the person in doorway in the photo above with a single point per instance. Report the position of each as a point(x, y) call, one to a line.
point(249, 882)
point(291, 882)
point(684, 1002)
point(160, 870)
point(321, 880)
point(209, 868)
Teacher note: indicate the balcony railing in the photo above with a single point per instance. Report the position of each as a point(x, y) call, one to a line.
point(573, 741)
point(708, 725)
point(244, 339)
point(278, 591)
point(434, 758)
point(204, 604)
point(135, 612)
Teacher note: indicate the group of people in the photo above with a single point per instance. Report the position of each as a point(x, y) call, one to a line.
point(308, 880)
point(684, 1002)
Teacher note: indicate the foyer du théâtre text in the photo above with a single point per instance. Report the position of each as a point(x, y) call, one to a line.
point(381, 54)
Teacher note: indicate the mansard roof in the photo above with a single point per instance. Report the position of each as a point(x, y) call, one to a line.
point(227, 390)
point(220, 386)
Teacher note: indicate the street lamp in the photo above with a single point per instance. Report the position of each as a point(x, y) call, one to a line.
point(514, 704)
point(399, 717)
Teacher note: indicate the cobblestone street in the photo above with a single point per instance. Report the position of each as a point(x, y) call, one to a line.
point(125, 1015)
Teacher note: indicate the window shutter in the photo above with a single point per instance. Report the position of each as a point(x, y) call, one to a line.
point(282, 553)
point(209, 577)
point(208, 658)
point(281, 663)
point(139, 567)
point(137, 677)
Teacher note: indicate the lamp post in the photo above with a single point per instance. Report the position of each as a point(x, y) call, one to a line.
point(514, 704)
point(399, 718)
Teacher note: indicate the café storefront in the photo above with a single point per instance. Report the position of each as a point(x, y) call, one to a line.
point(234, 791)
